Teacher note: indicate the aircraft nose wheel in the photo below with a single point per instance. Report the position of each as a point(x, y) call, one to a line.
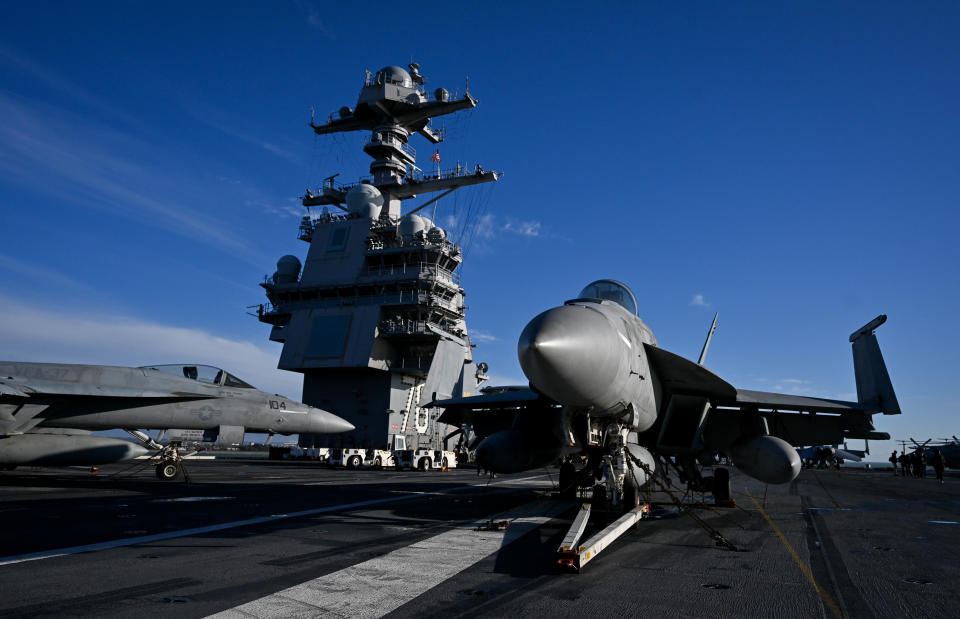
point(167, 470)
point(568, 481)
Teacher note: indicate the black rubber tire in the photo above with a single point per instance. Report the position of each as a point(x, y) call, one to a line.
point(168, 470)
point(377, 463)
point(423, 464)
point(568, 481)
point(631, 495)
point(599, 496)
point(354, 462)
point(721, 485)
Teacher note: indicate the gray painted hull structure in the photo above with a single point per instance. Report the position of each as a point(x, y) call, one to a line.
point(376, 321)
point(48, 409)
point(601, 387)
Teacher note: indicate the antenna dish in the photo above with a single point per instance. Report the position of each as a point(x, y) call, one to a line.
point(364, 201)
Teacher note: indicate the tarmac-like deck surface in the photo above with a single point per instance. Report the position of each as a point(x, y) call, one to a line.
point(288, 539)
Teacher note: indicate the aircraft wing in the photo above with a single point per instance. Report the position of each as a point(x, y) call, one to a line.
point(31, 396)
point(684, 376)
point(843, 454)
point(489, 412)
point(787, 402)
point(22, 387)
point(10, 388)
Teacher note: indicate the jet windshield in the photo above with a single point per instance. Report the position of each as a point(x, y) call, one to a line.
point(611, 290)
point(203, 373)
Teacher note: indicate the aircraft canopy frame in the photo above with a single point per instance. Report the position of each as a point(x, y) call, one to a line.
point(208, 374)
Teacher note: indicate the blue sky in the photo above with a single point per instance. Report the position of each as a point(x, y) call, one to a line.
point(793, 166)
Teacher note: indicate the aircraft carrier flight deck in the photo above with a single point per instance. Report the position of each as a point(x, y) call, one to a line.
point(280, 539)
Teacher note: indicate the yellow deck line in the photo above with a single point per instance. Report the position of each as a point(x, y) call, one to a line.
point(827, 600)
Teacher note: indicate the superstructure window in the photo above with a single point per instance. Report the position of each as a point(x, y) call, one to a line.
point(338, 238)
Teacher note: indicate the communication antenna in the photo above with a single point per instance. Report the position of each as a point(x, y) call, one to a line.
point(706, 344)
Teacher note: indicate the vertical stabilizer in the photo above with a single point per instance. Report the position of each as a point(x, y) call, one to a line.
point(874, 389)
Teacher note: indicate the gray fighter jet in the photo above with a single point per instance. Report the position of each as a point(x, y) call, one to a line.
point(823, 456)
point(47, 411)
point(601, 390)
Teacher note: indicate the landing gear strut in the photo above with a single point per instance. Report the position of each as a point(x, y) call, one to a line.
point(170, 461)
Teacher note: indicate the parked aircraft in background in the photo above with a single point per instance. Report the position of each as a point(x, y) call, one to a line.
point(829, 455)
point(600, 387)
point(949, 447)
point(47, 411)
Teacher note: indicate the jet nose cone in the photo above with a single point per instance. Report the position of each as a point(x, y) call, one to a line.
point(571, 353)
point(323, 422)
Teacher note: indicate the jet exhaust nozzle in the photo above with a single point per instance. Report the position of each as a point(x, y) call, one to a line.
point(770, 459)
point(512, 451)
point(572, 354)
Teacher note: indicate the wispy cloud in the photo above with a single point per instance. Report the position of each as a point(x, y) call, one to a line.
point(40, 274)
point(289, 208)
point(699, 301)
point(523, 228)
point(488, 226)
point(68, 335)
point(54, 81)
point(315, 19)
point(796, 386)
point(73, 159)
point(210, 117)
point(482, 336)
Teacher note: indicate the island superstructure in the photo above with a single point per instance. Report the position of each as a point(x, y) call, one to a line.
point(376, 320)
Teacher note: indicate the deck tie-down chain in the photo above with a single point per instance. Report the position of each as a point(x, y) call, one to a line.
point(718, 537)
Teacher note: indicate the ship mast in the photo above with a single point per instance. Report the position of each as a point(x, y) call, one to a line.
point(393, 106)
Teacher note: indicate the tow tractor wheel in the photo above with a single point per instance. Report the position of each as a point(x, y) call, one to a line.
point(599, 495)
point(444, 464)
point(721, 486)
point(377, 463)
point(354, 462)
point(167, 470)
point(568, 481)
point(424, 464)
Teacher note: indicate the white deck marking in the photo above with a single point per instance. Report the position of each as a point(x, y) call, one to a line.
point(381, 585)
point(132, 541)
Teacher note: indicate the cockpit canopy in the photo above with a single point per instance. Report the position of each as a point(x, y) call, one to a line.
point(202, 373)
point(611, 290)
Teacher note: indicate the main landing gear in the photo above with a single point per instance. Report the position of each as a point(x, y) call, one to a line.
point(169, 460)
point(168, 470)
